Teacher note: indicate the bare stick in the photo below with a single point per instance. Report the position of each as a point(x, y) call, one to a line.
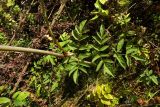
point(30, 50)
point(20, 78)
point(58, 13)
point(44, 11)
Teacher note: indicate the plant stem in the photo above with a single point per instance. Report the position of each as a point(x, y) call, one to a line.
point(49, 27)
point(21, 49)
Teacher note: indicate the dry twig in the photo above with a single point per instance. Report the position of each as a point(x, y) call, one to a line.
point(19, 79)
point(21, 49)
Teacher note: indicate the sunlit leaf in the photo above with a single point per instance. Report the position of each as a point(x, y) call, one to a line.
point(4, 100)
point(19, 103)
point(107, 89)
point(105, 12)
point(109, 96)
point(98, 90)
point(97, 5)
point(15, 95)
point(103, 1)
point(23, 95)
point(115, 101)
point(10, 3)
point(102, 89)
point(106, 102)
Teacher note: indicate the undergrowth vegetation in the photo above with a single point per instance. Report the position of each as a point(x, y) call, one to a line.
point(101, 53)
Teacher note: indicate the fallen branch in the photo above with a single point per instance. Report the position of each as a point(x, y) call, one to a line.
point(30, 50)
point(59, 12)
point(19, 79)
point(44, 11)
